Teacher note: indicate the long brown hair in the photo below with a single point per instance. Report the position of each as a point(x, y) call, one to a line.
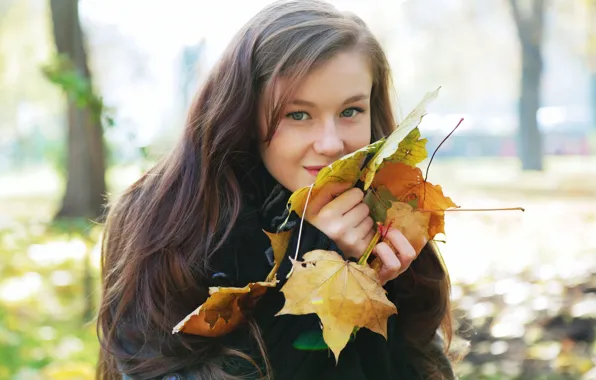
point(160, 234)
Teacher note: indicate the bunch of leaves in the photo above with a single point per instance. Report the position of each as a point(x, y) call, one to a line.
point(346, 295)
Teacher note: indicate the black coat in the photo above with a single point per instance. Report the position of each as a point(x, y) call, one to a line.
point(246, 257)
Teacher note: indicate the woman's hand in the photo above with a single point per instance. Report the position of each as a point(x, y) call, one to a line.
point(341, 215)
point(395, 253)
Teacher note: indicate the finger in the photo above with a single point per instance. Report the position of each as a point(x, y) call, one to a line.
point(326, 194)
point(344, 202)
point(367, 239)
point(357, 215)
point(365, 229)
point(404, 250)
point(391, 265)
point(363, 236)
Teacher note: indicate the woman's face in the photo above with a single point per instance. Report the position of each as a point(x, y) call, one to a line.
point(327, 118)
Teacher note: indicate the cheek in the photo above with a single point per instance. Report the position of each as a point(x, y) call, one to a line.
point(284, 157)
point(359, 137)
point(280, 154)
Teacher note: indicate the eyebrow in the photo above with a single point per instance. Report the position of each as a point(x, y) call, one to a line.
point(351, 99)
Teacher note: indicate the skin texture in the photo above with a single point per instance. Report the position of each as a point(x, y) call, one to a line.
point(327, 118)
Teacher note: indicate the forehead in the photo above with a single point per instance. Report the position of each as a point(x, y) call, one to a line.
point(341, 77)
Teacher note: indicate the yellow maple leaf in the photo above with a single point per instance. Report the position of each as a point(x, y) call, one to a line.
point(407, 184)
point(223, 311)
point(279, 243)
point(343, 294)
point(391, 144)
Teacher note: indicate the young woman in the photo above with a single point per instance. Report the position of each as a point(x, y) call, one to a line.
point(300, 86)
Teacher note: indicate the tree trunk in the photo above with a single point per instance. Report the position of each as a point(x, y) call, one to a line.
point(529, 26)
point(85, 185)
point(530, 139)
point(591, 53)
point(592, 102)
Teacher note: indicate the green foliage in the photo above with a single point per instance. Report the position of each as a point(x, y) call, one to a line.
point(62, 72)
point(42, 332)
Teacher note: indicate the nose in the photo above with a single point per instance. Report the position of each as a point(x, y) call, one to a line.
point(328, 142)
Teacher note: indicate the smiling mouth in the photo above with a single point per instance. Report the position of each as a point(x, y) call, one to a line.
point(314, 170)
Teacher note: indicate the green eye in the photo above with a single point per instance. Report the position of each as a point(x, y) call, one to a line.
point(298, 116)
point(350, 112)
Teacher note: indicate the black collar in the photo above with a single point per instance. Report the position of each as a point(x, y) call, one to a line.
point(262, 192)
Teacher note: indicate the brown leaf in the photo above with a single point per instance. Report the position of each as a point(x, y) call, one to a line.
point(223, 311)
point(343, 294)
point(407, 184)
point(413, 224)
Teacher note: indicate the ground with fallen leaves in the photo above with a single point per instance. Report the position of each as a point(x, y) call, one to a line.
point(524, 283)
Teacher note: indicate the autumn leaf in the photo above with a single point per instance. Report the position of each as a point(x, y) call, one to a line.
point(379, 201)
point(411, 150)
point(407, 184)
point(223, 311)
point(391, 144)
point(345, 169)
point(413, 224)
point(343, 294)
point(279, 243)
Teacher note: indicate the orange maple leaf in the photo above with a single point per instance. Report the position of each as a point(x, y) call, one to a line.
point(223, 311)
point(407, 184)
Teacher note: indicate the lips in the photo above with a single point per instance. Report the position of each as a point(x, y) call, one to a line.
point(314, 170)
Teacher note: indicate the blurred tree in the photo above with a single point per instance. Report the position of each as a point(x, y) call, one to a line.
point(529, 20)
point(591, 53)
point(4, 7)
point(27, 100)
point(85, 185)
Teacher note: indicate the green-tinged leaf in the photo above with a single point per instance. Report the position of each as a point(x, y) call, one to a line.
point(391, 144)
point(346, 169)
point(379, 201)
point(412, 150)
point(413, 203)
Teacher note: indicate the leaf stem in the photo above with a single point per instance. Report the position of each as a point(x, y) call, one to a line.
point(371, 245)
point(437, 149)
point(300, 228)
point(474, 209)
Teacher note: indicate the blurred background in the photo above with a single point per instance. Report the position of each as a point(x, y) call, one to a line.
point(521, 73)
